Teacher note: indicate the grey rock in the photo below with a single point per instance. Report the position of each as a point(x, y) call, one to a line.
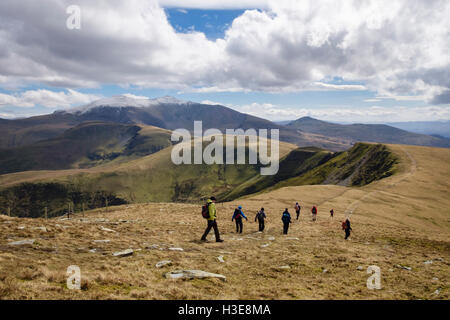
point(360, 268)
point(22, 242)
point(163, 263)
point(220, 258)
point(271, 238)
point(193, 274)
point(124, 253)
point(101, 241)
point(107, 229)
point(176, 249)
point(403, 267)
point(265, 245)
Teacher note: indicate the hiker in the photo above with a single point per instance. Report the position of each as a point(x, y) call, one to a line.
point(286, 218)
point(347, 228)
point(331, 213)
point(260, 215)
point(297, 209)
point(314, 213)
point(211, 206)
point(238, 215)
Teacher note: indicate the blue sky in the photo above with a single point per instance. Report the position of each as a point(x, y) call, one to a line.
point(277, 61)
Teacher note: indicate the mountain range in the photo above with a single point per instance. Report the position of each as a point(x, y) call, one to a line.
point(118, 150)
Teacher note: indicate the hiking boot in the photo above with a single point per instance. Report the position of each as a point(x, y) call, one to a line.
point(204, 240)
point(220, 240)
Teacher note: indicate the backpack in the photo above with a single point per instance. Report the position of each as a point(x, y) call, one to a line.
point(205, 211)
point(237, 213)
point(314, 210)
point(344, 225)
point(285, 217)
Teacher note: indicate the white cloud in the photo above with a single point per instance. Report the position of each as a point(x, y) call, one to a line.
point(373, 114)
point(46, 98)
point(395, 48)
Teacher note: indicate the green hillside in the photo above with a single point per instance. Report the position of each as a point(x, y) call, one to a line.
point(86, 145)
point(155, 178)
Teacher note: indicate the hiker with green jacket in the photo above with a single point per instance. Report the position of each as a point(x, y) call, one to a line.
point(212, 220)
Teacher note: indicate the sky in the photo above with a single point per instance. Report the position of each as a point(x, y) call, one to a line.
point(337, 60)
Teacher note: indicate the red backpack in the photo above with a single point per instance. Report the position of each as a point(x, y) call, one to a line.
point(205, 211)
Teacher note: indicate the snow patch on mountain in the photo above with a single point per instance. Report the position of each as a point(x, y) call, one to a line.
point(127, 100)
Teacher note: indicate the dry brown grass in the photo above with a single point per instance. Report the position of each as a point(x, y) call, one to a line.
point(401, 220)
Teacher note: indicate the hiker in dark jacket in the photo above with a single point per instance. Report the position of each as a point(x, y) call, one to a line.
point(332, 213)
point(238, 215)
point(261, 215)
point(314, 213)
point(297, 209)
point(212, 220)
point(286, 218)
point(347, 228)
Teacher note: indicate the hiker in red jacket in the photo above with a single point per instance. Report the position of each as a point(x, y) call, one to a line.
point(314, 213)
point(297, 209)
point(347, 228)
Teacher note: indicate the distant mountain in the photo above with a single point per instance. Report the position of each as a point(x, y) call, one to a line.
point(433, 128)
point(166, 112)
point(367, 132)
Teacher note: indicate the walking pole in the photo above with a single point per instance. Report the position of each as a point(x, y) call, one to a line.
point(45, 213)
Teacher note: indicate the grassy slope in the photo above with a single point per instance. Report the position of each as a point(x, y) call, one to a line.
point(402, 219)
point(87, 145)
point(150, 178)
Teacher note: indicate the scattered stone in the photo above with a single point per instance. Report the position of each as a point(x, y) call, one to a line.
point(101, 241)
point(163, 263)
point(271, 238)
point(176, 249)
point(403, 267)
point(391, 270)
point(193, 274)
point(292, 238)
point(226, 252)
point(428, 262)
point(435, 279)
point(438, 290)
point(439, 259)
point(153, 246)
point(22, 242)
point(93, 250)
point(220, 258)
point(284, 267)
point(324, 271)
point(124, 253)
point(107, 229)
point(265, 245)
point(360, 268)
point(20, 227)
